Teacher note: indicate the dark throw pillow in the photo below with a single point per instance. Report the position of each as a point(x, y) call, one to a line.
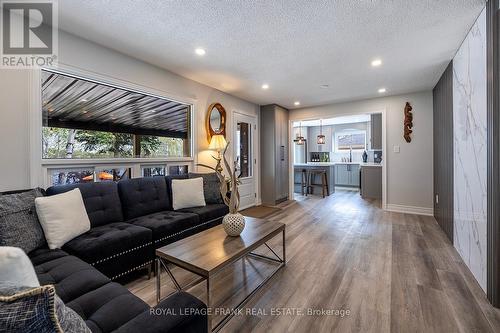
point(19, 226)
point(38, 309)
point(211, 187)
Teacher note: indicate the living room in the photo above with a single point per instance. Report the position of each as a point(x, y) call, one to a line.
point(150, 176)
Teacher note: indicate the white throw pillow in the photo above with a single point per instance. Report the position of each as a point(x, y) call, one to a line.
point(63, 217)
point(187, 193)
point(16, 268)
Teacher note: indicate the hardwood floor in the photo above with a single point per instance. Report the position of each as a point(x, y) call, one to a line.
point(393, 272)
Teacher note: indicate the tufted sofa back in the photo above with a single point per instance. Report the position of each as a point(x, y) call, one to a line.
point(143, 196)
point(101, 200)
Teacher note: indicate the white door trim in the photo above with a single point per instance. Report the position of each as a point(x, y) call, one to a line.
point(385, 153)
point(255, 156)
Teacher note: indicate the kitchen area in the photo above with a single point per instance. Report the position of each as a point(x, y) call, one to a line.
point(338, 154)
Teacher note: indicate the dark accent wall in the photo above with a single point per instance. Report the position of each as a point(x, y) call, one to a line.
point(443, 151)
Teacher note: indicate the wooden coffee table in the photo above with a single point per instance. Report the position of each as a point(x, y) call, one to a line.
point(209, 251)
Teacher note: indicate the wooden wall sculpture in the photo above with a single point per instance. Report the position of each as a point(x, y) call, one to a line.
point(408, 123)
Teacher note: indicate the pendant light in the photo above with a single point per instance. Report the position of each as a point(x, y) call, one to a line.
point(321, 137)
point(300, 139)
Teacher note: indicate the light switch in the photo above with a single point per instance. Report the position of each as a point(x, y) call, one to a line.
point(396, 149)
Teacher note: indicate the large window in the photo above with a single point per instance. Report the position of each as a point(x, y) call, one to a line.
point(346, 140)
point(83, 119)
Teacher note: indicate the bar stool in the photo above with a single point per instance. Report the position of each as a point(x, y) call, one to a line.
point(303, 180)
point(324, 181)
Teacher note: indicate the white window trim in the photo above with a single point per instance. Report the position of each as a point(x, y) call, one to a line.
point(40, 168)
point(344, 132)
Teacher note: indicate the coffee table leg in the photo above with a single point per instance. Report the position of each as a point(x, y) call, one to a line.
point(209, 315)
point(284, 248)
point(158, 273)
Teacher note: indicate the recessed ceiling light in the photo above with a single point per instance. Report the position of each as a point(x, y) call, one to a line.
point(296, 103)
point(199, 51)
point(376, 62)
point(324, 86)
point(83, 100)
point(265, 86)
point(381, 90)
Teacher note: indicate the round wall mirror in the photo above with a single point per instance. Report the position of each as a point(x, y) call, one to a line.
point(216, 120)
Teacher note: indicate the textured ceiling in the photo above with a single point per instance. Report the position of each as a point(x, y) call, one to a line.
point(295, 46)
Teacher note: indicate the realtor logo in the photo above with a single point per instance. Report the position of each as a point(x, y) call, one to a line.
point(29, 33)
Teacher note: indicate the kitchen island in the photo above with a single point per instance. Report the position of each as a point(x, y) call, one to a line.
point(336, 175)
point(330, 176)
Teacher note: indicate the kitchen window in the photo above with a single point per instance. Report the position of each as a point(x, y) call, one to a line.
point(346, 140)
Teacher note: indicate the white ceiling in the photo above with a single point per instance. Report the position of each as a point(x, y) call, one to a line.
point(293, 45)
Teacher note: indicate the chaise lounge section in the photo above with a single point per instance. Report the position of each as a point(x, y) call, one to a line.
point(107, 306)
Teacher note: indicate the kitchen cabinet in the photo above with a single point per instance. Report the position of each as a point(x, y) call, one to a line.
point(274, 149)
point(341, 175)
point(347, 175)
point(371, 182)
point(376, 131)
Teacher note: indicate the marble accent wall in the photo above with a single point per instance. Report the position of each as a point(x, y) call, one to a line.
point(469, 136)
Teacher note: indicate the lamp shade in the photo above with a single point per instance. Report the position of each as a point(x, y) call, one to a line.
point(218, 142)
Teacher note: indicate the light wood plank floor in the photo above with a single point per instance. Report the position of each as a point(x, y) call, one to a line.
point(393, 272)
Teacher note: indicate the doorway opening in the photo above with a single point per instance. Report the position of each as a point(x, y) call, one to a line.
point(339, 154)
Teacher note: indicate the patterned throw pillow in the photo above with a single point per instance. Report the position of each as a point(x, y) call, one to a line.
point(37, 309)
point(211, 187)
point(19, 226)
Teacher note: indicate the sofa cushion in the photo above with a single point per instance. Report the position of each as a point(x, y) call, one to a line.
point(166, 224)
point(211, 187)
point(42, 255)
point(180, 312)
point(208, 212)
point(187, 193)
point(63, 217)
point(19, 225)
point(38, 309)
point(71, 276)
point(108, 307)
point(142, 196)
point(16, 268)
point(101, 200)
point(113, 248)
point(168, 180)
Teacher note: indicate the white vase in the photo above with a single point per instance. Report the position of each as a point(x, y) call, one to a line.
point(233, 224)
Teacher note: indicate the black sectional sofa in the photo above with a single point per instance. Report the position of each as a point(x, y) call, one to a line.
point(107, 306)
point(129, 220)
point(132, 218)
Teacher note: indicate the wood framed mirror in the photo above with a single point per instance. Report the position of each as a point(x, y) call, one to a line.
point(216, 120)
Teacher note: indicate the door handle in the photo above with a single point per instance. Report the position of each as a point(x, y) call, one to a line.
point(282, 153)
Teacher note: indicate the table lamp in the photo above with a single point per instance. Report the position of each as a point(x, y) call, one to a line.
point(218, 143)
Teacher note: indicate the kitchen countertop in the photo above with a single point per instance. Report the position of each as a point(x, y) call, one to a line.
point(337, 163)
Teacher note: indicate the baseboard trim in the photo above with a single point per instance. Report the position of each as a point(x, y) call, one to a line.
point(410, 209)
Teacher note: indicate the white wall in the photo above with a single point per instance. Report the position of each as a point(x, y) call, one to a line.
point(83, 55)
point(14, 133)
point(409, 173)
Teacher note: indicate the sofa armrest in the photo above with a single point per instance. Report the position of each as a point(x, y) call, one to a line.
point(180, 312)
